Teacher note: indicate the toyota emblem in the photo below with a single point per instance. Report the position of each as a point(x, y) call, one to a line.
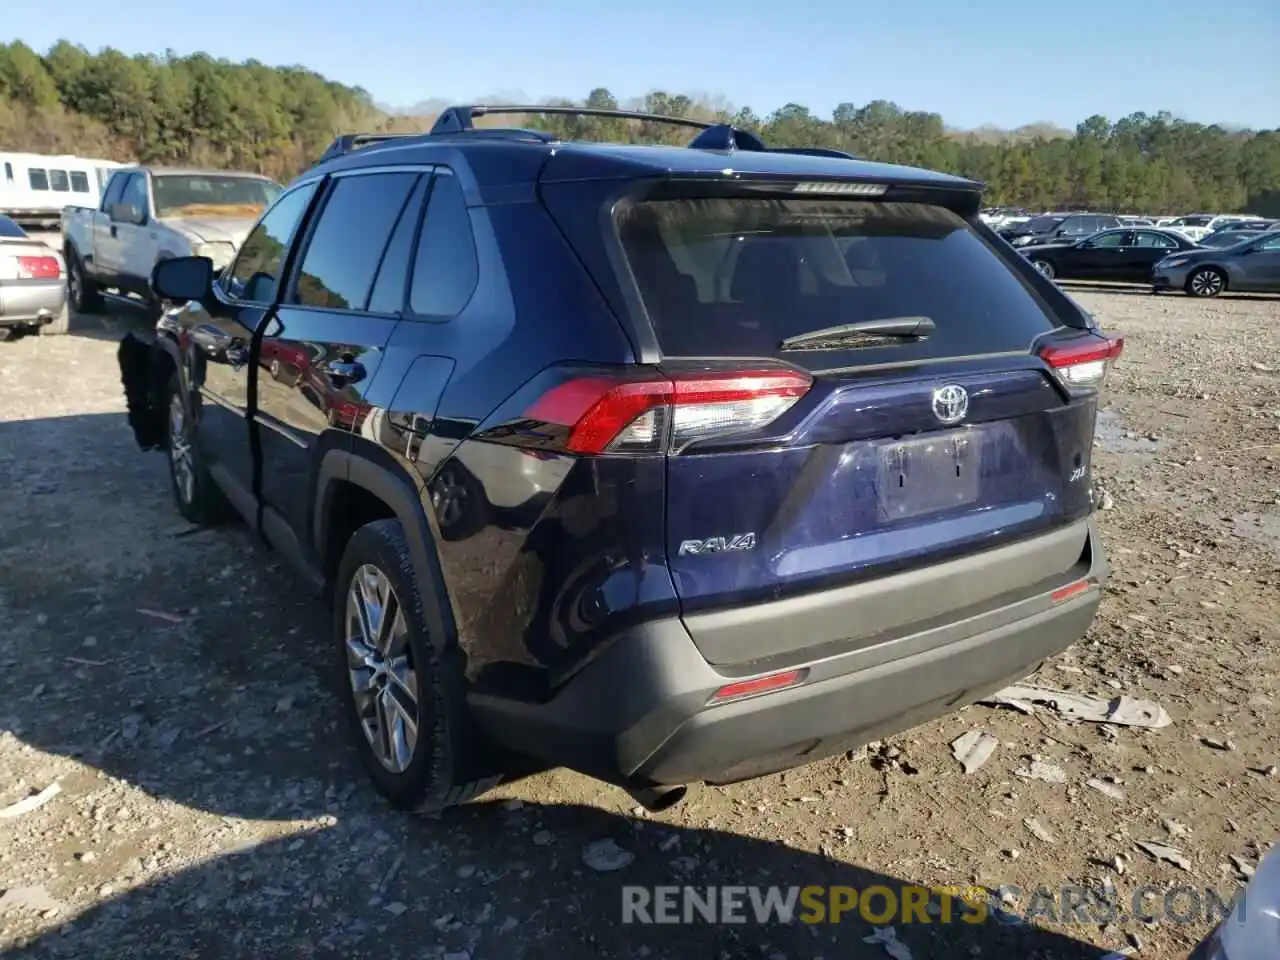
point(950, 403)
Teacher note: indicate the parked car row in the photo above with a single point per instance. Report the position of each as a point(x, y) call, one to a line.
point(1244, 261)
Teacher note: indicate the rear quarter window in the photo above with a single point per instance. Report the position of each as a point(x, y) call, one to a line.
point(735, 277)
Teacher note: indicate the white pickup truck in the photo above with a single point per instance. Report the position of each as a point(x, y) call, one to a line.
point(149, 214)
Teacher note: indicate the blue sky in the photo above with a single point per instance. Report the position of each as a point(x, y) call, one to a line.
point(975, 62)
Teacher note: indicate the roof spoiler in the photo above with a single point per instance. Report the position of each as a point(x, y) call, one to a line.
point(453, 121)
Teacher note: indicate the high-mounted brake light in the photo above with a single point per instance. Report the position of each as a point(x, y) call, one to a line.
point(1085, 362)
point(841, 189)
point(656, 412)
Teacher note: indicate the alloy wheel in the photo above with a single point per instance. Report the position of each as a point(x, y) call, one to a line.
point(380, 668)
point(181, 457)
point(1206, 283)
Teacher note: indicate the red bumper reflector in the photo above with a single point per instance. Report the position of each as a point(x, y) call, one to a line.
point(749, 688)
point(1070, 590)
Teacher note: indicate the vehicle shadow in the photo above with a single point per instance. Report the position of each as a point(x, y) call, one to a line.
point(180, 688)
point(491, 881)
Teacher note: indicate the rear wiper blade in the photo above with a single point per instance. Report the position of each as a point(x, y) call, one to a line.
point(861, 334)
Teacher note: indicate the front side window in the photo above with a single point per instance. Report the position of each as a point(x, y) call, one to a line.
point(256, 272)
point(38, 179)
point(350, 238)
point(135, 193)
point(115, 187)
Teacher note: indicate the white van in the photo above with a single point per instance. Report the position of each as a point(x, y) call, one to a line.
point(36, 187)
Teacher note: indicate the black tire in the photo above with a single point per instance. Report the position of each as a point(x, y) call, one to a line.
point(449, 761)
point(1046, 268)
point(83, 295)
point(1206, 282)
point(200, 500)
point(59, 324)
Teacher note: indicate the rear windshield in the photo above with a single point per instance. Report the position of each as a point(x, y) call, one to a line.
point(735, 277)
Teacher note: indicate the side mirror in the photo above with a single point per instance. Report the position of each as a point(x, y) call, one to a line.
point(125, 213)
point(183, 278)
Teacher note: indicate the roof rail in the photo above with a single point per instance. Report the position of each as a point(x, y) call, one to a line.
point(354, 141)
point(461, 119)
point(720, 137)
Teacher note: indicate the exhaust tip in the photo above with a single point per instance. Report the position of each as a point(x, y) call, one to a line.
point(657, 799)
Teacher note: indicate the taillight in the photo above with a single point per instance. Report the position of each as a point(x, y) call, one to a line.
point(39, 268)
point(1083, 363)
point(653, 412)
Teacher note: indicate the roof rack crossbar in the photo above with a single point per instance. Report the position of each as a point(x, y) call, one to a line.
point(460, 119)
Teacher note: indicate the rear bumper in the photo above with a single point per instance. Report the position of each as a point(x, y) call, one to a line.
point(24, 302)
point(638, 713)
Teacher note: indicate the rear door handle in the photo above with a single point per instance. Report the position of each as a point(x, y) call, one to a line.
point(345, 371)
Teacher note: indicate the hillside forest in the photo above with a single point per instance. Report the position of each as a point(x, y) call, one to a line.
point(166, 109)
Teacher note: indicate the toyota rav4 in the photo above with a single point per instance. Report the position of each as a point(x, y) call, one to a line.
point(666, 464)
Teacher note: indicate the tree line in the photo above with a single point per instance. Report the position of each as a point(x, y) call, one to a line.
point(198, 110)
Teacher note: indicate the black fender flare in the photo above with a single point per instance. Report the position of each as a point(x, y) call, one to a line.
point(390, 483)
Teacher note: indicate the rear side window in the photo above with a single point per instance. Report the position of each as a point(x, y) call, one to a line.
point(38, 179)
point(347, 245)
point(735, 277)
point(79, 182)
point(58, 181)
point(393, 275)
point(445, 270)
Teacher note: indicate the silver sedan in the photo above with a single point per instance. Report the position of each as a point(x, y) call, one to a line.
point(33, 283)
point(1252, 266)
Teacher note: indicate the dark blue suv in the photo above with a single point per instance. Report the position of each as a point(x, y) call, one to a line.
point(666, 464)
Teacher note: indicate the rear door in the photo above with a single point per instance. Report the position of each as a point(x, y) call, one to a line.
point(1148, 249)
point(902, 452)
point(322, 349)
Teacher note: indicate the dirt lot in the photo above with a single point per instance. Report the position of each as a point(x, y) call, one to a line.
point(172, 682)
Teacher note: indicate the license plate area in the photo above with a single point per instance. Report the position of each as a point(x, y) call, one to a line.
point(924, 475)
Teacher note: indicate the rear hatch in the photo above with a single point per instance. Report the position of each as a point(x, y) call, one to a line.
point(862, 386)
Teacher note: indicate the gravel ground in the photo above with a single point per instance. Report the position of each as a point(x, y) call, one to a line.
point(171, 682)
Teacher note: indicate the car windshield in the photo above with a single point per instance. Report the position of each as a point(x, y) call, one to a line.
point(212, 195)
point(10, 229)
